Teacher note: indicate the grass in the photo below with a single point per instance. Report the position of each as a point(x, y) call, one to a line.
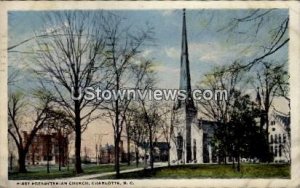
point(40, 172)
point(210, 171)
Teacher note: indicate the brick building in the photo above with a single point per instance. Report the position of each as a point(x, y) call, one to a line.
point(44, 147)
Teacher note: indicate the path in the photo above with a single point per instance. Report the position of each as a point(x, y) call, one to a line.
point(93, 176)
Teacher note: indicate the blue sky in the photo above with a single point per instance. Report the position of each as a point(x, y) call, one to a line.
point(208, 45)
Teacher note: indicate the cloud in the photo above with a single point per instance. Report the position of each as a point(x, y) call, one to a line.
point(172, 52)
point(205, 52)
point(208, 52)
point(219, 53)
point(167, 69)
point(147, 53)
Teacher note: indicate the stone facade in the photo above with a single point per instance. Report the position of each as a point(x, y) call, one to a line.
point(186, 141)
point(279, 137)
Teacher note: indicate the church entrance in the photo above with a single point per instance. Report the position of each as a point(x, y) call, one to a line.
point(179, 147)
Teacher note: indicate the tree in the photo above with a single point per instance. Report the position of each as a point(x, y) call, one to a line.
point(122, 50)
point(166, 124)
point(17, 108)
point(129, 120)
point(271, 79)
point(221, 110)
point(243, 131)
point(150, 119)
point(137, 132)
point(70, 59)
point(267, 32)
point(60, 124)
point(273, 38)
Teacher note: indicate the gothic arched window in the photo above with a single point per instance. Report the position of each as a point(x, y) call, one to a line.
point(271, 139)
point(179, 146)
point(280, 150)
point(195, 150)
point(279, 138)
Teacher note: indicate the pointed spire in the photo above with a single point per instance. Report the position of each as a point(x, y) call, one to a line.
point(185, 78)
point(184, 47)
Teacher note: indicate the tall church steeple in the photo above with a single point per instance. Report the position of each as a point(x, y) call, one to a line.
point(185, 78)
point(186, 108)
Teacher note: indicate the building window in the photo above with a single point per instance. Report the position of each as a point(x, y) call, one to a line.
point(271, 149)
point(279, 138)
point(275, 153)
point(275, 138)
point(271, 139)
point(280, 152)
point(284, 138)
point(272, 122)
point(273, 129)
point(179, 146)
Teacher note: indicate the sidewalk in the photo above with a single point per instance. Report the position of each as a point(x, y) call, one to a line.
point(92, 176)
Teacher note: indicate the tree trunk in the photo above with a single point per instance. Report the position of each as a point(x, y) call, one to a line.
point(68, 162)
point(78, 168)
point(21, 161)
point(117, 158)
point(151, 150)
point(233, 164)
point(238, 163)
point(59, 162)
point(128, 150)
point(169, 159)
point(267, 122)
point(117, 124)
point(136, 156)
point(32, 158)
point(48, 151)
point(145, 159)
point(60, 148)
point(11, 162)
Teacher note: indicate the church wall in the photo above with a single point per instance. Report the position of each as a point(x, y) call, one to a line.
point(179, 129)
point(279, 141)
point(197, 140)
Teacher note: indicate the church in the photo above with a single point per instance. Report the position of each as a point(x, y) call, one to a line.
point(191, 137)
point(191, 140)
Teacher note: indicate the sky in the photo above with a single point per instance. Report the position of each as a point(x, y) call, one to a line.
point(210, 42)
point(208, 46)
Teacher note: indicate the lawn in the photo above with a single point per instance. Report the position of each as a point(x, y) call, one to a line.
point(40, 172)
point(211, 171)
